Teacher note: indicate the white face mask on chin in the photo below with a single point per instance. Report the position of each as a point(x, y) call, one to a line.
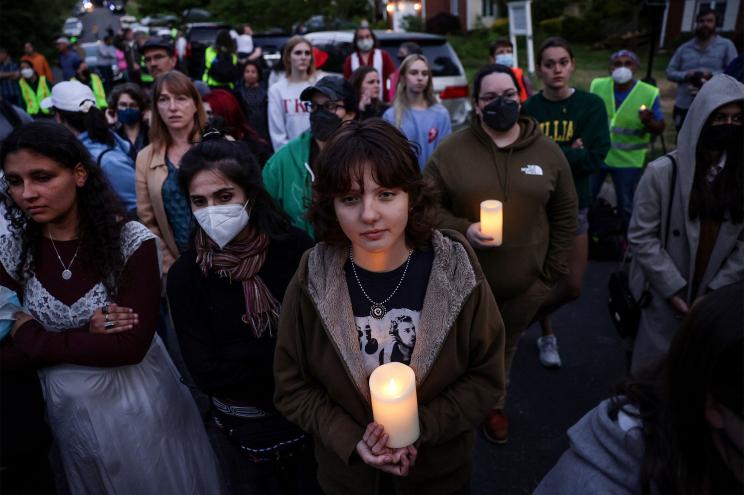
point(222, 223)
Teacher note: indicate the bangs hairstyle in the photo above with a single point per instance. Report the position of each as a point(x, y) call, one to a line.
point(177, 84)
point(286, 54)
point(487, 71)
point(376, 144)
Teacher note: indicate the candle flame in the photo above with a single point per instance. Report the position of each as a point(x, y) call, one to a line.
point(393, 388)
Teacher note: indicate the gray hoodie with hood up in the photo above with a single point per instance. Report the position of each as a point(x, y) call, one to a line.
point(668, 270)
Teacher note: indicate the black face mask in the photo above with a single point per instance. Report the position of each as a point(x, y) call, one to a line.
point(323, 124)
point(501, 114)
point(722, 137)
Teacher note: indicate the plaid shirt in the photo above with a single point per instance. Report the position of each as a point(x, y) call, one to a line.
point(9, 87)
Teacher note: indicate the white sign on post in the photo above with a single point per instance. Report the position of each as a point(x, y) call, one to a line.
point(520, 24)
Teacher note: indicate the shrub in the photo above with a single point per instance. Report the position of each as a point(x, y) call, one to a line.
point(413, 23)
point(443, 23)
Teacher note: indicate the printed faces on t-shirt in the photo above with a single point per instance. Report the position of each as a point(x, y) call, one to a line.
point(391, 338)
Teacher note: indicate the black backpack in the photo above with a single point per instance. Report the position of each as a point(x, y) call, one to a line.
point(223, 70)
point(606, 234)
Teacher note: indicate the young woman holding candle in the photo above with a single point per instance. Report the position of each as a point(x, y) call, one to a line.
point(508, 159)
point(381, 276)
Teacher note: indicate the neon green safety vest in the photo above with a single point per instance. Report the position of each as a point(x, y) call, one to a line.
point(628, 134)
point(209, 55)
point(33, 99)
point(145, 77)
point(97, 86)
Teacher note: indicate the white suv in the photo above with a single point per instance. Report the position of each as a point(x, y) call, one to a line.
point(450, 83)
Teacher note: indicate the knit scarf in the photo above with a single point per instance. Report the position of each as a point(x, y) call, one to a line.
point(240, 260)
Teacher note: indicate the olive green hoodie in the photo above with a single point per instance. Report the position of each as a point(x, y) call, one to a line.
point(533, 180)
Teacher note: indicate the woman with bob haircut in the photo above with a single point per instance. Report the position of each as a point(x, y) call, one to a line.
point(177, 121)
point(415, 110)
point(288, 115)
point(382, 286)
point(89, 282)
point(224, 294)
point(674, 430)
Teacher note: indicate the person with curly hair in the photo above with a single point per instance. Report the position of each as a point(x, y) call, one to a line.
point(380, 259)
point(89, 282)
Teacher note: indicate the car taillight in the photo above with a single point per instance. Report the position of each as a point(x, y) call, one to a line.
point(451, 92)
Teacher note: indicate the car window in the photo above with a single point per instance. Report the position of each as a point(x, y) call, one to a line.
point(204, 35)
point(440, 55)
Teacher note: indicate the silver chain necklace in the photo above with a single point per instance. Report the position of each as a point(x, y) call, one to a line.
point(66, 272)
point(378, 310)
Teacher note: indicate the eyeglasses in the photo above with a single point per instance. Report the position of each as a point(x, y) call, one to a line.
point(509, 94)
point(154, 58)
point(330, 106)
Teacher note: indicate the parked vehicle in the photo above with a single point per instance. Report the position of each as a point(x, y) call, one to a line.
point(271, 44)
point(127, 21)
point(449, 79)
point(199, 36)
point(73, 27)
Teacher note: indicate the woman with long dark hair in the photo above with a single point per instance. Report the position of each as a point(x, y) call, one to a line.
point(224, 294)
point(74, 107)
point(253, 97)
point(678, 430)
point(368, 90)
point(687, 228)
point(89, 282)
point(127, 105)
point(383, 286)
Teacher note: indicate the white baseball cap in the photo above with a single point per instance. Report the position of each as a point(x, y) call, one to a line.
point(62, 39)
point(72, 96)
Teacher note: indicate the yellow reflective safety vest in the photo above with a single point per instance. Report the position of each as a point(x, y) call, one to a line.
point(98, 91)
point(628, 135)
point(145, 77)
point(32, 99)
point(210, 54)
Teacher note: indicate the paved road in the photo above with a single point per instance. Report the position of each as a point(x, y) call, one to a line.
point(543, 403)
point(97, 22)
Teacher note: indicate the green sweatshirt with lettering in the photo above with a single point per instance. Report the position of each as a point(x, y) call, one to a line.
point(580, 116)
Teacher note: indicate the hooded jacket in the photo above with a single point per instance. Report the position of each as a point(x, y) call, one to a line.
point(118, 167)
point(322, 385)
point(533, 179)
point(604, 457)
point(288, 179)
point(668, 270)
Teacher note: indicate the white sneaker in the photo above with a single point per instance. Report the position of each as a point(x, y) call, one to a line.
point(548, 347)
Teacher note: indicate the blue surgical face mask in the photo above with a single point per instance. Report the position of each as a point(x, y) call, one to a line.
point(129, 116)
point(506, 59)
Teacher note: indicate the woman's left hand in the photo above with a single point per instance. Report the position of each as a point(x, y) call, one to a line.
point(20, 319)
point(113, 318)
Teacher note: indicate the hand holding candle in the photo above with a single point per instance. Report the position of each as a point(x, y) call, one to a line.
point(492, 220)
point(392, 388)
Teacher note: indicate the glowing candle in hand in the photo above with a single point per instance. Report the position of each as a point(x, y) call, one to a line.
point(492, 220)
point(392, 388)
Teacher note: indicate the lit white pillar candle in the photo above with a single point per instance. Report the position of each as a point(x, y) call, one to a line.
point(392, 388)
point(492, 220)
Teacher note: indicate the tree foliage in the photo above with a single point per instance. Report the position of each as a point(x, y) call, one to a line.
point(37, 21)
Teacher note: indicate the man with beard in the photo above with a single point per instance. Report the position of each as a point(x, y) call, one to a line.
point(696, 61)
point(289, 174)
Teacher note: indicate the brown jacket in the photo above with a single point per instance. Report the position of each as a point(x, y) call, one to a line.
point(151, 174)
point(533, 180)
point(322, 386)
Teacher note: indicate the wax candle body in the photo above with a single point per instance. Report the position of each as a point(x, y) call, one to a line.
point(392, 388)
point(492, 220)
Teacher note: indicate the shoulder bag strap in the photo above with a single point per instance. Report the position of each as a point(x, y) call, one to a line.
point(100, 157)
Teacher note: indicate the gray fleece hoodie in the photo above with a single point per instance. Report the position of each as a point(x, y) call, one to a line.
point(604, 457)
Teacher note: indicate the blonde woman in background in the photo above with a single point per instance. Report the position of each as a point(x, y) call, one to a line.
point(288, 115)
point(176, 124)
point(416, 111)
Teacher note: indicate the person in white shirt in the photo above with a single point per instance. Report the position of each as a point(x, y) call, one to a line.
point(288, 115)
point(244, 44)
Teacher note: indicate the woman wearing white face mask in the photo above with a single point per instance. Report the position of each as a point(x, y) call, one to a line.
point(367, 54)
point(224, 294)
point(34, 88)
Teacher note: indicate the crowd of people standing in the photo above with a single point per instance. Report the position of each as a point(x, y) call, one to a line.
point(208, 271)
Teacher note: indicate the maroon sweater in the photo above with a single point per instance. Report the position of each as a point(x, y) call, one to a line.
point(139, 289)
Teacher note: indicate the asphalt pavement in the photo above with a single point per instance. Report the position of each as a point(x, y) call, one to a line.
point(542, 403)
point(96, 23)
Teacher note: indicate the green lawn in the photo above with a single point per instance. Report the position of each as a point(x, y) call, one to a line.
point(590, 63)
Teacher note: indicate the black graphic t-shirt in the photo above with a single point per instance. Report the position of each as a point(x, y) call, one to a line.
point(393, 337)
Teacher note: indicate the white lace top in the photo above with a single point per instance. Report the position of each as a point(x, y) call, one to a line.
point(52, 313)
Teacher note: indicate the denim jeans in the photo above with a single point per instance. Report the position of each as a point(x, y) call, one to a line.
point(625, 181)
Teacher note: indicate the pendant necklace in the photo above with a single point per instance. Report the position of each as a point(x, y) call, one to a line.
point(378, 310)
point(66, 272)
